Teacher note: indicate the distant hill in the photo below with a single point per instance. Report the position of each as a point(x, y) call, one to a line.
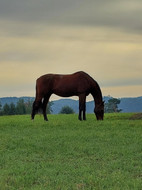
point(74, 104)
point(58, 104)
point(9, 100)
point(131, 104)
point(126, 104)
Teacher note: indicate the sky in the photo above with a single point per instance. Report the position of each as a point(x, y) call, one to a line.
point(100, 37)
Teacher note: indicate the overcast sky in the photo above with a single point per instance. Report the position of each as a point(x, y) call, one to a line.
point(101, 37)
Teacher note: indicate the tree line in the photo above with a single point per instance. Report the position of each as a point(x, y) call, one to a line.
point(22, 107)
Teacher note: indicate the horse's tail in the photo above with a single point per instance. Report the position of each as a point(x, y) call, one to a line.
point(38, 104)
point(37, 108)
point(39, 95)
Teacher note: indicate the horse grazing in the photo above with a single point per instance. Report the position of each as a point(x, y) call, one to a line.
point(77, 84)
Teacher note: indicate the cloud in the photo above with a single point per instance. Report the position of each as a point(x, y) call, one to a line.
point(123, 91)
point(123, 14)
point(113, 62)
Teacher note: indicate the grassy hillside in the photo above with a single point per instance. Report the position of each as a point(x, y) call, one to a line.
point(65, 153)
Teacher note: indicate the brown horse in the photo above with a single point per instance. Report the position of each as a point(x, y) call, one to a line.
point(77, 84)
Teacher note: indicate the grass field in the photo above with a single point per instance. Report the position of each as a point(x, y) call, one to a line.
point(66, 154)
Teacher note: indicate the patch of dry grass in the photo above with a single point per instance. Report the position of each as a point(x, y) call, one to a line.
point(136, 116)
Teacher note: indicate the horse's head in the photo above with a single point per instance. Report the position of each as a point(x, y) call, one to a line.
point(99, 111)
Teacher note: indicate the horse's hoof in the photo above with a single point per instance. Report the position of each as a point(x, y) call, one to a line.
point(80, 119)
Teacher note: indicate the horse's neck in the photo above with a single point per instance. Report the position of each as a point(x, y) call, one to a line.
point(97, 95)
point(97, 100)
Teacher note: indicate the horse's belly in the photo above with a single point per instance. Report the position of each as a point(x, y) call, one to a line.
point(64, 93)
point(68, 87)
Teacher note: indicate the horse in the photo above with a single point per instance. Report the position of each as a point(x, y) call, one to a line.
point(77, 84)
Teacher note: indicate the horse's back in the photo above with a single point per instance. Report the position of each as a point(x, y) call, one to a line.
point(65, 85)
point(72, 84)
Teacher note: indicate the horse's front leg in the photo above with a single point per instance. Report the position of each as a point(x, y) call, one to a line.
point(84, 111)
point(79, 116)
point(82, 106)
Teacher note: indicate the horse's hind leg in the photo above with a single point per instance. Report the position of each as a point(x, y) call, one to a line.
point(34, 109)
point(45, 102)
point(79, 116)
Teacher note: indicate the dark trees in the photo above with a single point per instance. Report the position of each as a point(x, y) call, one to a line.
point(20, 108)
point(112, 105)
point(66, 110)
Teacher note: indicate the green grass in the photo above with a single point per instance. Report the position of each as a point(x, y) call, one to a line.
point(66, 154)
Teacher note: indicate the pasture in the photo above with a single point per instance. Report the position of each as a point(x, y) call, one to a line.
point(67, 154)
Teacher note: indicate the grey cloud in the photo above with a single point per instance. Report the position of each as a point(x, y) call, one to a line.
point(122, 82)
point(125, 14)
